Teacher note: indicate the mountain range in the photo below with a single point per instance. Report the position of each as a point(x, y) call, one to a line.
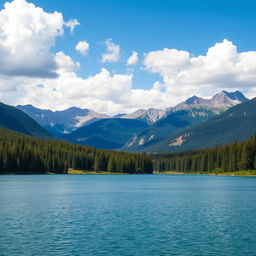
point(193, 111)
point(222, 99)
point(65, 121)
point(69, 120)
point(188, 125)
point(138, 131)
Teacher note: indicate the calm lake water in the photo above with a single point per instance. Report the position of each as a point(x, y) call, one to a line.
point(127, 215)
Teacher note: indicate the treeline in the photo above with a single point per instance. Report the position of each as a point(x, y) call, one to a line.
point(228, 158)
point(24, 154)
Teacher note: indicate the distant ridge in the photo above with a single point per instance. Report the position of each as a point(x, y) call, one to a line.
point(64, 121)
point(222, 99)
point(69, 120)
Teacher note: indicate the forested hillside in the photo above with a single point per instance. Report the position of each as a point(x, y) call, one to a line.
point(24, 154)
point(15, 119)
point(228, 158)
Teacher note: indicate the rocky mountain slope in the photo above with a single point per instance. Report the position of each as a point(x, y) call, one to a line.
point(193, 111)
point(222, 99)
point(238, 123)
point(171, 124)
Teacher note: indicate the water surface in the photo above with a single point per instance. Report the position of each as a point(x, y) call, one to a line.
point(127, 215)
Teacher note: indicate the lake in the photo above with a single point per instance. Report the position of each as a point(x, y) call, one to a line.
point(127, 215)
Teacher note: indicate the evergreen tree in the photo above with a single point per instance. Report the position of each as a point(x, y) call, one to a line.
point(24, 154)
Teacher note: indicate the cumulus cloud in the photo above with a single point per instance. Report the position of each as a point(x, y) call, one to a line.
point(222, 66)
point(103, 92)
point(166, 61)
point(65, 63)
point(27, 34)
point(113, 52)
point(71, 24)
point(133, 59)
point(31, 74)
point(82, 47)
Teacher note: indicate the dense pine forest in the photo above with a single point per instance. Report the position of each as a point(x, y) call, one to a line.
point(24, 154)
point(228, 158)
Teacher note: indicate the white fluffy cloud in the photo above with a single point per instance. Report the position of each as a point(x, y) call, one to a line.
point(133, 59)
point(113, 52)
point(65, 63)
point(71, 24)
point(103, 92)
point(110, 93)
point(166, 61)
point(31, 74)
point(222, 67)
point(82, 47)
point(27, 33)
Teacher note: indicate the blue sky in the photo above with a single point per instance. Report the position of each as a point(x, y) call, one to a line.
point(148, 25)
point(184, 47)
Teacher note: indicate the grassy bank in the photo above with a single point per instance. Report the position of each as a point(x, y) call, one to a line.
point(169, 172)
point(236, 173)
point(73, 171)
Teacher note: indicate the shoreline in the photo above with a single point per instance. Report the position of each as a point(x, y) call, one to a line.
point(77, 172)
point(251, 173)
